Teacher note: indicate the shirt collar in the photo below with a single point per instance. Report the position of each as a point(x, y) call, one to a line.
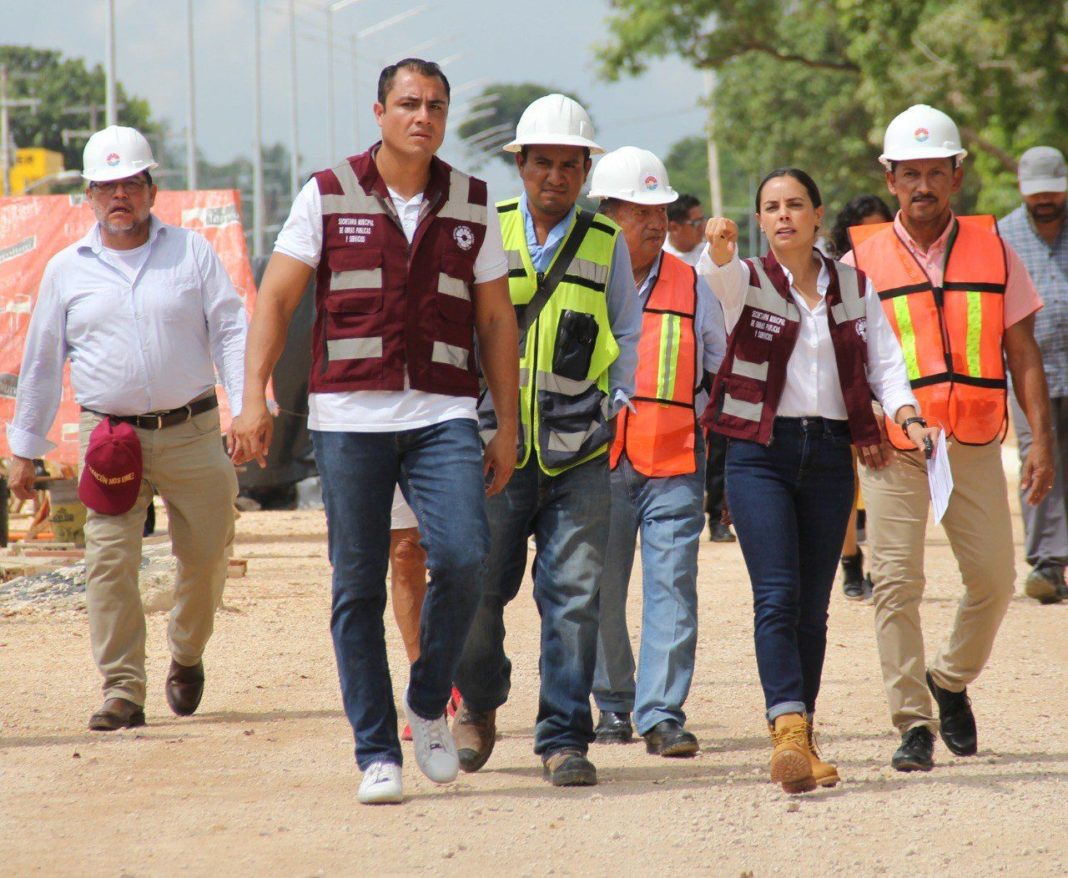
point(555, 233)
point(92, 240)
point(650, 278)
point(937, 246)
point(823, 279)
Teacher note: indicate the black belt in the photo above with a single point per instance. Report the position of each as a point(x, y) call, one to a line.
point(159, 420)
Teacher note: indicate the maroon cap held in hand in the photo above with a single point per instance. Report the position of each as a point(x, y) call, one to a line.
point(111, 476)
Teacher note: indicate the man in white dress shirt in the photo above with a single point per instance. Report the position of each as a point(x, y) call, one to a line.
point(142, 309)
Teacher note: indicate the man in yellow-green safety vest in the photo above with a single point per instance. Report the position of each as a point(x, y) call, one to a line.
point(570, 280)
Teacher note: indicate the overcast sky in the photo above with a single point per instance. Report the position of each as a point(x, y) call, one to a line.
point(546, 42)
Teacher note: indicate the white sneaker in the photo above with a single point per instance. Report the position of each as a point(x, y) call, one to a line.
point(381, 784)
point(435, 751)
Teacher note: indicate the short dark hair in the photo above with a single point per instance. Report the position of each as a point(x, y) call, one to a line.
point(799, 175)
point(854, 211)
point(585, 152)
point(679, 209)
point(609, 206)
point(418, 65)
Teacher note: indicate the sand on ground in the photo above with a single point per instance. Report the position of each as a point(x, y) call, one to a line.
point(262, 781)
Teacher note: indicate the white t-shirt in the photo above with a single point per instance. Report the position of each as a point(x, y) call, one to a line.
point(380, 411)
point(129, 262)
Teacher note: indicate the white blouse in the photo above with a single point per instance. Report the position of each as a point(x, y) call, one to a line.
point(812, 386)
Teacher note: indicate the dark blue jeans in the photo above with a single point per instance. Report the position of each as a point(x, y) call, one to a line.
point(568, 515)
point(439, 469)
point(790, 503)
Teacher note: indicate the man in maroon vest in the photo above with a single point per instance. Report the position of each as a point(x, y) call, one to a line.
point(408, 271)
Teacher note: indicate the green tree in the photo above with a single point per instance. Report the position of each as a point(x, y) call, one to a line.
point(491, 121)
point(813, 83)
point(62, 85)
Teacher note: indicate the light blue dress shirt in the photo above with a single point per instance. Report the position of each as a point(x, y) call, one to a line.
point(135, 346)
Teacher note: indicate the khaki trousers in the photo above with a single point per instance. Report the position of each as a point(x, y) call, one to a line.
point(979, 528)
point(188, 467)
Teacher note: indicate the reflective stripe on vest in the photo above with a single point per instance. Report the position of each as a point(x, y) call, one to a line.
point(563, 405)
point(951, 337)
point(763, 297)
point(659, 436)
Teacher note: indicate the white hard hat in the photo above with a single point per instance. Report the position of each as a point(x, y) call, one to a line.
point(554, 120)
point(115, 154)
point(921, 132)
point(632, 174)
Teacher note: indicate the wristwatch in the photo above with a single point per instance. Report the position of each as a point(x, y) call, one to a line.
point(915, 419)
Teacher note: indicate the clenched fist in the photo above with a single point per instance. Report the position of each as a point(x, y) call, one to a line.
point(722, 235)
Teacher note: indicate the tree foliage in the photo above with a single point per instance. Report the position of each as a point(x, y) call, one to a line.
point(813, 83)
point(491, 121)
point(62, 85)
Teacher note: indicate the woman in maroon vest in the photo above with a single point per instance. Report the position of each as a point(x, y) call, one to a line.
point(808, 348)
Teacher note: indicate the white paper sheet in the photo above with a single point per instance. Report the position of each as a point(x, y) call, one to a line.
point(940, 478)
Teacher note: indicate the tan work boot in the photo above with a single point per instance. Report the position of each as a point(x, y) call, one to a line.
point(474, 733)
point(824, 773)
point(791, 759)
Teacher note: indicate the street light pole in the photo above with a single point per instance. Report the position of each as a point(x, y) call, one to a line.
point(257, 129)
point(191, 123)
point(715, 186)
point(294, 141)
point(330, 122)
point(110, 115)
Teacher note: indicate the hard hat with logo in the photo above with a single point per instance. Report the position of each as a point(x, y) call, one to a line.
point(554, 120)
point(921, 132)
point(115, 154)
point(632, 174)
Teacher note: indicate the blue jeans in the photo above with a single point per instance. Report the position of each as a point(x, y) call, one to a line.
point(790, 503)
point(439, 469)
point(568, 515)
point(668, 513)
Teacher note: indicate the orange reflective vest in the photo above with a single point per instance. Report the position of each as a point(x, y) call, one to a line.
point(659, 437)
point(951, 336)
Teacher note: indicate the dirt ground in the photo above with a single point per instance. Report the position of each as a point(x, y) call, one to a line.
point(261, 781)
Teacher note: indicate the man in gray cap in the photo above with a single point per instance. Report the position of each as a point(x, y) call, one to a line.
point(1035, 230)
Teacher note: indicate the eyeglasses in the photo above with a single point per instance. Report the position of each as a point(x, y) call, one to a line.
point(698, 223)
point(130, 187)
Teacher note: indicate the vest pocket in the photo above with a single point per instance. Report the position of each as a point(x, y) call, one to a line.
point(576, 338)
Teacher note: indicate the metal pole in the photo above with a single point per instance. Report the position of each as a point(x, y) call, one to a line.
point(331, 122)
point(5, 136)
point(715, 186)
point(294, 145)
point(257, 150)
point(355, 99)
point(110, 115)
point(191, 124)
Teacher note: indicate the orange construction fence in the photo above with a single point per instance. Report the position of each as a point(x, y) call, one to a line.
point(34, 228)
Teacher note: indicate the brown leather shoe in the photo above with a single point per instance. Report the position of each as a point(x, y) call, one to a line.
point(117, 713)
point(474, 733)
point(184, 687)
point(791, 759)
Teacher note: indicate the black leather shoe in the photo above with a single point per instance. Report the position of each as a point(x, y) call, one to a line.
point(956, 720)
point(853, 576)
point(613, 728)
point(117, 713)
point(718, 532)
point(668, 738)
point(916, 752)
point(184, 687)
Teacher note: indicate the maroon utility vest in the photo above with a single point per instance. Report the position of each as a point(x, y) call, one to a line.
point(384, 307)
point(750, 382)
